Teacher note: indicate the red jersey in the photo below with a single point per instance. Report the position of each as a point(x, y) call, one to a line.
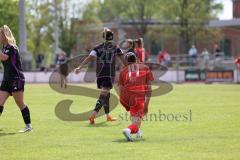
point(237, 60)
point(133, 82)
point(161, 56)
point(142, 54)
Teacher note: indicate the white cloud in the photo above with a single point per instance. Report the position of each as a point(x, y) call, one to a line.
point(227, 9)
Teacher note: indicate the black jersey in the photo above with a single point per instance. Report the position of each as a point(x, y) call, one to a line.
point(133, 51)
point(106, 56)
point(13, 65)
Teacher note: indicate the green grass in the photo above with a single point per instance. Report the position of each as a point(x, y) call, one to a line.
point(212, 134)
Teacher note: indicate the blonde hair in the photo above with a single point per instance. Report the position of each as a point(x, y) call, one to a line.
point(7, 33)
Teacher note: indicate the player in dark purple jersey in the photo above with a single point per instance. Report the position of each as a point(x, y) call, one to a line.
point(105, 55)
point(13, 78)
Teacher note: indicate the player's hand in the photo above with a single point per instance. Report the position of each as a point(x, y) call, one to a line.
point(77, 70)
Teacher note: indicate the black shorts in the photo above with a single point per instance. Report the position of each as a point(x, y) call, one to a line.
point(105, 82)
point(11, 86)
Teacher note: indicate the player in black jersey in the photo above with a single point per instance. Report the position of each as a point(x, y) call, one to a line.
point(13, 78)
point(105, 55)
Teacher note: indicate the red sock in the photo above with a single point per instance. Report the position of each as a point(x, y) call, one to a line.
point(133, 128)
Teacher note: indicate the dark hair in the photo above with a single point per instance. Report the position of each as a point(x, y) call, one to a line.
point(107, 34)
point(130, 57)
point(132, 43)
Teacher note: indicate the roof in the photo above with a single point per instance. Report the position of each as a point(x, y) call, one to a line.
point(225, 23)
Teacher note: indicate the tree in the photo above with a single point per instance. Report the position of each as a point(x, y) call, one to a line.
point(9, 15)
point(185, 18)
point(39, 21)
point(138, 12)
point(191, 17)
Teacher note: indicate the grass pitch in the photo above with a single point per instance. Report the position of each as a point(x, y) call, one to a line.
point(213, 132)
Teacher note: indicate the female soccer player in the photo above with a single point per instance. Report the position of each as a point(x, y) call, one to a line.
point(135, 92)
point(139, 49)
point(105, 55)
point(13, 78)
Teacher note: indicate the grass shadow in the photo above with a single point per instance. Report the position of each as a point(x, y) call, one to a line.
point(104, 124)
point(7, 134)
point(123, 140)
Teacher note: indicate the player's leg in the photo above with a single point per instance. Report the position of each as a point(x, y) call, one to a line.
point(139, 133)
point(99, 104)
point(65, 82)
point(132, 128)
point(3, 97)
point(107, 108)
point(136, 112)
point(62, 80)
point(108, 85)
point(18, 97)
point(4, 94)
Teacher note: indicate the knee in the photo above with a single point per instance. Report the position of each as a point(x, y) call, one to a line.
point(20, 103)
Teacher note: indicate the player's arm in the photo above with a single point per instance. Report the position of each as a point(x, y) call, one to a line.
point(3, 57)
point(121, 57)
point(148, 96)
point(149, 78)
point(89, 58)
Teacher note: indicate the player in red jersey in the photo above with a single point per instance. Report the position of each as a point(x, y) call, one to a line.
point(135, 92)
point(141, 53)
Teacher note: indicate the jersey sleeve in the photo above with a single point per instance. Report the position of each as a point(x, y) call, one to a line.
point(93, 53)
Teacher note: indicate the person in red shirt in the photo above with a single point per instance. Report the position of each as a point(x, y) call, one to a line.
point(237, 60)
point(164, 58)
point(142, 54)
point(135, 92)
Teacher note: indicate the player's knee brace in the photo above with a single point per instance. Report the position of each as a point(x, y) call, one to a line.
point(106, 105)
point(100, 102)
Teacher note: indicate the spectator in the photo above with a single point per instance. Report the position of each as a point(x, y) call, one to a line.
point(205, 58)
point(217, 51)
point(61, 58)
point(192, 53)
point(164, 58)
point(39, 60)
point(237, 60)
point(63, 69)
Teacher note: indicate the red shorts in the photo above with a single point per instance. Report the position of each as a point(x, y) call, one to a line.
point(133, 103)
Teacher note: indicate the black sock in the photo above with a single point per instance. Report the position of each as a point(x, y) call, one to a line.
point(106, 106)
point(26, 115)
point(100, 102)
point(1, 110)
